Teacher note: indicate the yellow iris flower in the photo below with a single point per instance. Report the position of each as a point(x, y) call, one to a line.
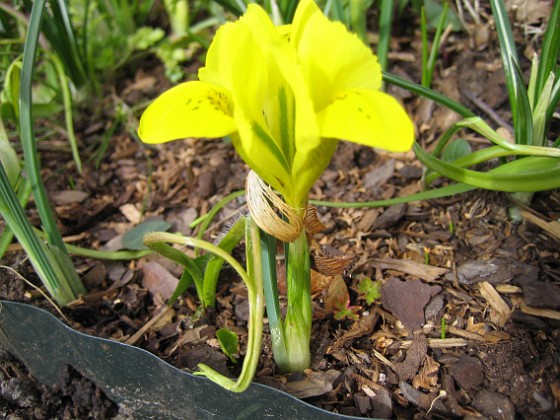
point(285, 95)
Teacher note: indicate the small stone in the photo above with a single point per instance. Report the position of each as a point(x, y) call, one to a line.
point(494, 271)
point(363, 403)
point(434, 307)
point(407, 299)
point(158, 280)
point(467, 372)
point(545, 403)
point(382, 404)
point(540, 294)
point(494, 405)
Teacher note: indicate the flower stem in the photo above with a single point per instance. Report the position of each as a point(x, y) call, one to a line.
point(290, 336)
point(297, 325)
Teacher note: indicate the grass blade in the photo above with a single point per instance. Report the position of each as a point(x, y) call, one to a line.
point(507, 48)
point(385, 20)
point(550, 49)
point(428, 93)
point(523, 175)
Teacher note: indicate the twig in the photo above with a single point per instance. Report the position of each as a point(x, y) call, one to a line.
point(487, 109)
point(138, 334)
point(39, 290)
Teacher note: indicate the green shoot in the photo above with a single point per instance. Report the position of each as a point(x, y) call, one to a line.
point(253, 281)
point(369, 290)
point(343, 310)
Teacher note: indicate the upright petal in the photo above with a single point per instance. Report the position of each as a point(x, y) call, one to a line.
point(368, 117)
point(332, 58)
point(221, 55)
point(254, 86)
point(307, 165)
point(192, 109)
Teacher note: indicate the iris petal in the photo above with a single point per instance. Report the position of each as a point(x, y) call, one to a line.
point(192, 109)
point(368, 117)
point(332, 58)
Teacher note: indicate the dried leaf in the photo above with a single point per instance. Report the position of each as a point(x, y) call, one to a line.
point(332, 266)
point(337, 292)
point(422, 271)
point(311, 221)
point(319, 282)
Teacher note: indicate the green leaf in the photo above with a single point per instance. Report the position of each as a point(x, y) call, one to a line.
point(145, 37)
point(456, 149)
point(507, 46)
point(369, 290)
point(134, 238)
point(550, 49)
point(229, 342)
point(215, 263)
point(8, 157)
point(434, 10)
point(528, 174)
point(9, 97)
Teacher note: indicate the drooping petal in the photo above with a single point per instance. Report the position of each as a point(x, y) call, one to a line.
point(332, 58)
point(368, 117)
point(192, 109)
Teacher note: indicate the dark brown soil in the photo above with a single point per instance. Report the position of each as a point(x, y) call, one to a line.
point(467, 324)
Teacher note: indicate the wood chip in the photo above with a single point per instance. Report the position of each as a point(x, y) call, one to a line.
point(500, 310)
point(544, 313)
point(508, 289)
point(552, 228)
point(465, 334)
point(439, 343)
point(422, 271)
point(383, 359)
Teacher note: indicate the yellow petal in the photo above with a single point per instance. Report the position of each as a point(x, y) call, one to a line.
point(255, 84)
point(332, 58)
point(221, 54)
point(192, 109)
point(306, 165)
point(368, 117)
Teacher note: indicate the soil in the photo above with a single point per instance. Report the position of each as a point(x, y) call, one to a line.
point(467, 324)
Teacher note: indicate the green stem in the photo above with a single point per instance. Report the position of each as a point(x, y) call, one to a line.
point(297, 325)
point(270, 285)
point(253, 281)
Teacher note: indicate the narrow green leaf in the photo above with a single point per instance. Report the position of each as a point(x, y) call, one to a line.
point(508, 51)
point(446, 191)
point(550, 49)
point(8, 157)
point(385, 23)
point(428, 93)
point(529, 174)
point(215, 263)
point(522, 113)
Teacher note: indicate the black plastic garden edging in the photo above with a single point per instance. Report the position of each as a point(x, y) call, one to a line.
point(140, 383)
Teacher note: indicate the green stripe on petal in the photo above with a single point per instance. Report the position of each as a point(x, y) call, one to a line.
point(192, 109)
point(368, 117)
point(268, 141)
